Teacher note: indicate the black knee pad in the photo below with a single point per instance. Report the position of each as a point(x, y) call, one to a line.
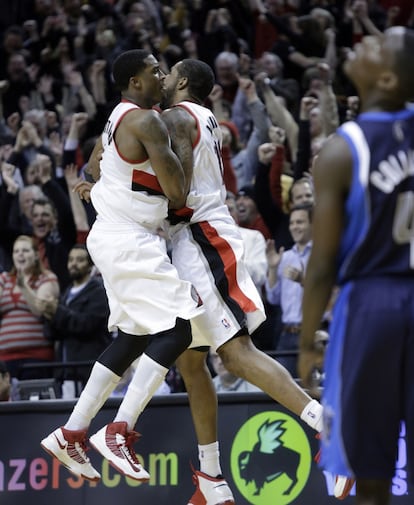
point(122, 351)
point(166, 346)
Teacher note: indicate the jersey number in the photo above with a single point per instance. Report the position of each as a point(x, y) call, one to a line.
point(219, 158)
point(403, 226)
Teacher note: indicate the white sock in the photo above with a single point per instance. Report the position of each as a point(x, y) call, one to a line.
point(209, 456)
point(312, 415)
point(147, 378)
point(100, 385)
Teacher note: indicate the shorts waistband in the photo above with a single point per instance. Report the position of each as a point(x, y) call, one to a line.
point(291, 328)
point(123, 227)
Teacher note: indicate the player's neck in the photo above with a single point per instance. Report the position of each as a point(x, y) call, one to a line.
point(187, 98)
point(139, 102)
point(382, 104)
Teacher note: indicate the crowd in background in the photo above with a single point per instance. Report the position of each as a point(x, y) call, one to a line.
point(279, 94)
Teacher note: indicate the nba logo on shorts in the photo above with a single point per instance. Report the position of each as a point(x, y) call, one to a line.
point(225, 323)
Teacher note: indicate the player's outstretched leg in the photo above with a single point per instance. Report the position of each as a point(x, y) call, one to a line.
point(211, 488)
point(241, 357)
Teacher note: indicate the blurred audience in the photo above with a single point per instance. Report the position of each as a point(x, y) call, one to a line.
point(254, 246)
point(249, 215)
point(226, 382)
point(78, 321)
point(280, 92)
point(284, 285)
point(5, 384)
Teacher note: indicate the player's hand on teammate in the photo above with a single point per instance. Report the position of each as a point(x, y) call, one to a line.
point(83, 188)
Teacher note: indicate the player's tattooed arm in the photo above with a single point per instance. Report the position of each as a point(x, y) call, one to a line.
point(182, 129)
point(153, 135)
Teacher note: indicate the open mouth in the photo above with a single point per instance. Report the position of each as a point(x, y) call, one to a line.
point(242, 211)
point(40, 227)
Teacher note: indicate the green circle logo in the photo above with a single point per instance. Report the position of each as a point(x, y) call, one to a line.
point(270, 459)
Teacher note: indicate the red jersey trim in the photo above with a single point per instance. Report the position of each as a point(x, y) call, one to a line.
point(142, 181)
point(197, 140)
point(127, 160)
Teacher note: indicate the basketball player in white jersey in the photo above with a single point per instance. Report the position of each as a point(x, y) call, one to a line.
point(140, 177)
point(207, 250)
point(232, 294)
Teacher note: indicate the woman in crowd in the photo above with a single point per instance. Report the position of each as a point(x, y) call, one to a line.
point(22, 290)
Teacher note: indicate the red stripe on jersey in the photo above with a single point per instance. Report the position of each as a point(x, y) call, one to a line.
point(230, 266)
point(184, 212)
point(142, 181)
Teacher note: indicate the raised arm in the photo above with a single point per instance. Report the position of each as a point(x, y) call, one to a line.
point(279, 114)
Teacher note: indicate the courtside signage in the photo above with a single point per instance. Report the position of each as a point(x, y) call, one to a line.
point(270, 459)
point(267, 456)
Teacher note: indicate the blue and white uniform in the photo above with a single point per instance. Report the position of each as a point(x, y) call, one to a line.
point(371, 349)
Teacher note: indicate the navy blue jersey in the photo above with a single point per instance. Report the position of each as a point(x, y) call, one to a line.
point(378, 236)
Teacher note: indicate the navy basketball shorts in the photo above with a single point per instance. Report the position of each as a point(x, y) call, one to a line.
point(369, 385)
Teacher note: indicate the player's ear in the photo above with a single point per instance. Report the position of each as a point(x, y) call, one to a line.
point(182, 82)
point(387, 81)
point(135, 82)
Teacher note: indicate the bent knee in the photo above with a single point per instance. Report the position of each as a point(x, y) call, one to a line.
point(191, 362)
point(237, 354)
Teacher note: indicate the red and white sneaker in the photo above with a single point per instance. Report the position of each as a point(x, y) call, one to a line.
point(115, 443)
point(69, 446)
point(343, 486)
point(210, 491)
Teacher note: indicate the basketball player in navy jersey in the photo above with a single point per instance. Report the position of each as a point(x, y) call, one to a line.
point(364, 182)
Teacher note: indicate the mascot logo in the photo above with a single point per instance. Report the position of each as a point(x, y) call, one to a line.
point(271, 459)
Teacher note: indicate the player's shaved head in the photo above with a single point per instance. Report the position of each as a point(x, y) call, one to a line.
point(127, 65)
point(200, 77)
point(400, 42)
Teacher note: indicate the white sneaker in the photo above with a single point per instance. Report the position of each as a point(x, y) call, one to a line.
point(114, 442)
point(210, 491)
point(343, 486)
point(69, 446)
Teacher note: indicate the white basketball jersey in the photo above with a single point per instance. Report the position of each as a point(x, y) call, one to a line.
point(128, 190)
point(207, 191)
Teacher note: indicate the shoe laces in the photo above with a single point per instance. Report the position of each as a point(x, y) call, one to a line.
point(128, 443)
point(77, 451)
